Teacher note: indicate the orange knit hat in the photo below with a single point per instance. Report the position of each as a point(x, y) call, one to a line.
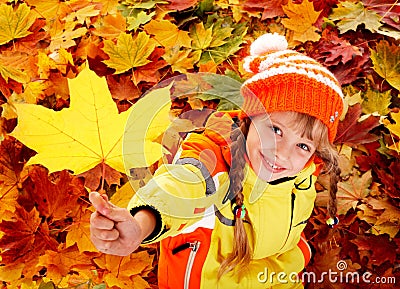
point(286, 80)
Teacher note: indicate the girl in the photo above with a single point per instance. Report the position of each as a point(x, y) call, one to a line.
point(231, 210)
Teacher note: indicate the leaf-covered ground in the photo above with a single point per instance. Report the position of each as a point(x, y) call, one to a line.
point(61, 133)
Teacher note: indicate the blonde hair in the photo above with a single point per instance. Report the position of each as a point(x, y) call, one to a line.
point(311, 128)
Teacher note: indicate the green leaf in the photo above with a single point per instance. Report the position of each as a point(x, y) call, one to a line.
point(386, 61)
point(351, 15)
point(138, 18)
point(224, 88)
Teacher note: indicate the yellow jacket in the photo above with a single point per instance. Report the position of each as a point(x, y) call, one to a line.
point(195, 226)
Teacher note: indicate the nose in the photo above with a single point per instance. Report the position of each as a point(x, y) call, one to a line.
point(283, 152)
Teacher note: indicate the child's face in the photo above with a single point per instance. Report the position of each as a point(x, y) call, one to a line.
point(275, 148)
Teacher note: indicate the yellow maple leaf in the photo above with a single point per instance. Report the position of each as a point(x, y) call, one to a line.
point(301, 18)
point(129, 51)
point(15, 24)
point(394, 129)
point(201, 37)
point(181, 60)
point(386, 59)
point(91, 130)
point(168, 34)
point(49, 9)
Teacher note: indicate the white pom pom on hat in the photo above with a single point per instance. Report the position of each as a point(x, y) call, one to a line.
point(267, 43)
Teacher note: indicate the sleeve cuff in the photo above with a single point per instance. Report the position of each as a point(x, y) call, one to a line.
point(158, 227)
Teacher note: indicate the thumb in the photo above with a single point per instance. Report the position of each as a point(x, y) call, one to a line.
point(107, 209)
point(100, 203)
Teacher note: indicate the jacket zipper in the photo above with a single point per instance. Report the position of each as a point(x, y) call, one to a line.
point(194, 247)
point(293, 198)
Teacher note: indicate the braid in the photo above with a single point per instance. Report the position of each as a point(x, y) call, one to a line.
point(330, 158)
point(241, 251)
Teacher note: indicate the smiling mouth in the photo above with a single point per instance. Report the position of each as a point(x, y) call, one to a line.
point(274, 167)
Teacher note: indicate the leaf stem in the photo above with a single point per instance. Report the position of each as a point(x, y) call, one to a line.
point(103, 175)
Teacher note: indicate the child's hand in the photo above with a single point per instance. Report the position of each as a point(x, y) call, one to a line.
point(113, 230)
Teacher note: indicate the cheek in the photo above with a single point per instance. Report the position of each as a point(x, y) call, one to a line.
point(299, 161)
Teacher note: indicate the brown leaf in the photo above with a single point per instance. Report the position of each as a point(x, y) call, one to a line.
point(122, 87)
point(349, 194)
point(390, 179)
point(30, 43)
point(93, 176)
point(120, 271)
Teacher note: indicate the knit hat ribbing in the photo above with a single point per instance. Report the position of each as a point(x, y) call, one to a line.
point(286, 80)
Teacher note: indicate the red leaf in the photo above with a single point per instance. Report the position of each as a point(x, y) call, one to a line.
point(25, 238)
point(56, 198)
point(326, 7)
point(380, 247)
point(390, 180)
point(352, 132)
point(373, 160)
point(6, 88)
point(332, 50)
point(270, 9)
point(180, 5)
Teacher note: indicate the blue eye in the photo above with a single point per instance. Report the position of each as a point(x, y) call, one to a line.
point(276, 130)
point(304, 147)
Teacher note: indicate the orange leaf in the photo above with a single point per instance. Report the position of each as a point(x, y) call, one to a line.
point(168, 34)
point(301, 18)
point(60, 263)
point(110, 26)
point(79, 232)
point(12, 155)
point(151, 71)
point(122, 271)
